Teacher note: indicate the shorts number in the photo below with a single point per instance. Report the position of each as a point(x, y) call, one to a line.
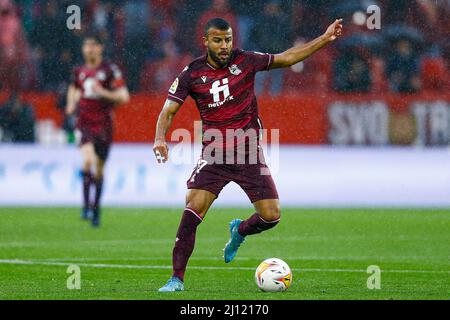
point(200, 164)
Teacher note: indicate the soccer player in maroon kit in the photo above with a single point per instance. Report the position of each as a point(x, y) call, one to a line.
point(96, 88)
point(221, 83)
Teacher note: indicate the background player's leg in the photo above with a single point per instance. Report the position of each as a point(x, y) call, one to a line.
point(197, 204)
point(88, 155)
point(266, 217)
point(99, 169)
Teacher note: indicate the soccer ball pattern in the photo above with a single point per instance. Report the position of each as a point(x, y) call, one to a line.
point(273, 275)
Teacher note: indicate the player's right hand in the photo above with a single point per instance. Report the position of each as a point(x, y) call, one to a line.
point(334, 30)
point(70, 109)
point(161, 151)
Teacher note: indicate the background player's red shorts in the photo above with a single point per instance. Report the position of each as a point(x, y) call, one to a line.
point(101, 139)
point(214, 177)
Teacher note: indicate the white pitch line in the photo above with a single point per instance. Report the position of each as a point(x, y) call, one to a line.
point(214, 239)
point(88, 242)
point(131, 266)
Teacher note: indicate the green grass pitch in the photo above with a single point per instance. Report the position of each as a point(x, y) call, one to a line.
point(129, 257)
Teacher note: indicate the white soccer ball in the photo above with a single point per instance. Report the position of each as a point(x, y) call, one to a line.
point(273, 275)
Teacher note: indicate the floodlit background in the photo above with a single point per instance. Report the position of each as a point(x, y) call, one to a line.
point(363, 122)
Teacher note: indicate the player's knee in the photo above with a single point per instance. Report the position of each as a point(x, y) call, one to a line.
point(271, 213)
point(199, 208)
point(99, 172)
point(199, 200)
point(98, 176)
point(87, 164)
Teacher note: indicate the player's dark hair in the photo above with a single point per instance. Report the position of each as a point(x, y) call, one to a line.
point(217, 23)
point(93, 36)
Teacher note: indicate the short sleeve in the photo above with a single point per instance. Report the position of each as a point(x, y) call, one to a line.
point(261, 61)
point(117, 79)
point(180, 88)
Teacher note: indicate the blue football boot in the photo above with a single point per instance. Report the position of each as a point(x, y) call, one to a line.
point(235, 241)
point(174, 284)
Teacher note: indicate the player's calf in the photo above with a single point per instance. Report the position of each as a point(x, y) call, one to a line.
point(185, 241)
point(240, 229)
point(257, 224)
point(87, 181)
point(96, 205)
point(267, 216)
point(184, 245)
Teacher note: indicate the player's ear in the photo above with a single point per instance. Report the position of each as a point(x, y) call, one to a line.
point(206, 40)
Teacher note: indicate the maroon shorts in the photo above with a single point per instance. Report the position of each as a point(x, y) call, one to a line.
point(254, 179)
point(100, 139)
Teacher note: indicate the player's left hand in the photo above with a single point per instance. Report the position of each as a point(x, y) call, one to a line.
point(334, 30)
point(70, 109)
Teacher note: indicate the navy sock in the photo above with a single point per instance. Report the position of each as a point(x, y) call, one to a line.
point(98, 192)
point(87, 180)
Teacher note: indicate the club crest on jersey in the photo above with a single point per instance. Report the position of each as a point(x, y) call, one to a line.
point(235, 70)
point(203, 78)
point(174, 86)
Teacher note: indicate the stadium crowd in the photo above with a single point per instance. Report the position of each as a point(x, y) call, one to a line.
point(152, 39)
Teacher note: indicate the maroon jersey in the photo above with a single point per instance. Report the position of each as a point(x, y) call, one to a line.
point(95, 113)
point(225, 97)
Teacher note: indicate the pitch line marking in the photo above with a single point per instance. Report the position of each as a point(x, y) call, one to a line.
point(131, 266)
point(214, 239)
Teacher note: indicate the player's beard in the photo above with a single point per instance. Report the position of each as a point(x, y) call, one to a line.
point(217, 59)
point(92, 59)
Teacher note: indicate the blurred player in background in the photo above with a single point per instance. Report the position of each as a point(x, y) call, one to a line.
point(222, 85)
point(95, 89)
